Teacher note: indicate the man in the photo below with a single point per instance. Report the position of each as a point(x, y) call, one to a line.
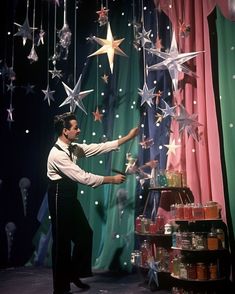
point(69, 222)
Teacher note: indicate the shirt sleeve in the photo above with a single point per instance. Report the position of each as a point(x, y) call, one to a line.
point(95, 149)
point(59, 164)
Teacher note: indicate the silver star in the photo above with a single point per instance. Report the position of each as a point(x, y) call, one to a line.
point(29, 89)
point(75, 96)
point(168, 110)
point(147, 95)
point(173, 61)
point(10, 115)
point(48, 95)
point(24, 30)
point(143, 37)
point(41, 37)
point(10, 87)
point(55, 73)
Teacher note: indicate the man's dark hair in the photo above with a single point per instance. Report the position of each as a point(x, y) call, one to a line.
point(63, 121)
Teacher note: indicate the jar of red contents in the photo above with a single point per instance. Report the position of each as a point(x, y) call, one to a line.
point(188, 211)
point(201, 269)
point(211, 210)
point(138, 223)
point(198, 211)
point(160, 222)
point(152, 227)
point(179, 211)
point(191, 270)
point(212, 241)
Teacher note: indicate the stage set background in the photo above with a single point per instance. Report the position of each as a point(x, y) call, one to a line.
point(206, 140)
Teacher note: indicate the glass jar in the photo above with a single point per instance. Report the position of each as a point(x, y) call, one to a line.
point(221, 238)
point(211, 210)
point(179, 211)
point(162, 179)
point(152, 227)
point(138, 223)
point(160, 222)
point(201, 270)
point(188, 211)
point(146, 253)
point(191, 271)
point(213, 271)
point(186, 240)
point(198, 211)
point(212, 241)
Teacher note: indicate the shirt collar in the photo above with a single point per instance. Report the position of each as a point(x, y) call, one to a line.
point(62, 144)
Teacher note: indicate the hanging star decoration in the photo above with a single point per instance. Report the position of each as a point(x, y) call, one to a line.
point(173, 61)
point(75, 96)
point(103, 16)
point(97, 115)
point(143, 37)
point(33, 57)
point(10, 114)
point(10, 87)
point(24, 30)
point(168, 111)
point(158, 96)
point(41, 37)
point(55, 73)
point(109, 46)
point(48, 95)
point(131, 166)
point(7, 72)
point(29, 89)
point(184, 30)
point(147, 95)
point(64, 36)
point(105, 78)
point(172, 147)
point(158, 44)
point(188, 123)
point(159, 118)
point(146, 143)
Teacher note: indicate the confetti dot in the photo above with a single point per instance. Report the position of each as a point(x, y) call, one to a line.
point(133, 102)
point(120, 90)
point(49, 217)
point(193, 150)
point(27, 131)
point(84, 141)
point(96, 202)
point(102, 93)
point(8, 33)
point(132, 107)
point(129, 24)
point(168, 27)
point(154, 82)
point(100, 65)
point(93, 133)
point(231, 125)
point(123, 13)
point(157, 124)
point(194, 102)
point(140, 197)
point(119, 136)
point(124, 263)
point(82, 192)
point(145, 8)
point(117, 115)
point(101, 162)
point(117, 236)
point(160, 147)
point(103, 110)
point(169, 93)
point(142, 125)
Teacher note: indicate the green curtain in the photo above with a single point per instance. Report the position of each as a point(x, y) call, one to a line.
point(110, 208)
point(226, 65)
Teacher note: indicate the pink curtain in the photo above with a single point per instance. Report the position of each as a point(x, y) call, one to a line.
point(201, 160)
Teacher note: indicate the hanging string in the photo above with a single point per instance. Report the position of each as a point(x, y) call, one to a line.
point(48, 45)
point(54, 58)
point(75, 45)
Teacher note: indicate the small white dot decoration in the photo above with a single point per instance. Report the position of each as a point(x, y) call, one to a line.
point(233, 77)
point(103, 110)
point(120, 90)
point(119, 136)
point(157, 124)
point(231, 125)
point(8, 33)
point(124, 263)
point(160, 147)
point(129, 24)
point(168, 27)
point(117, 236)
point(145, 7)
point(140, 197)
point(132, 107)
point(82, 192)
point(142, 125)
point(193, 150)
point(84, 141)
point(232, 48)
point(100, 65)
point(93, 133)
point(102, 93)
point(26, 131)
point(96, 202)
point(101, 162)
point(123, 13)
point(117, 115)
point(169, 93)
point(133, 102)
point(49, 217)
point(154, 82)
point(194, 102)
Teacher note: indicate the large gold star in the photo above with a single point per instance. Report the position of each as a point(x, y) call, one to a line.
point(109, 46)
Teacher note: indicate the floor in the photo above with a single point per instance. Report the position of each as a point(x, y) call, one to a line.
point(37, 280)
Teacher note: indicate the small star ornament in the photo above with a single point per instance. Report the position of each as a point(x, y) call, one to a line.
point(97, 115)
point(147, 95)
point(10, 87)
point(146, 143)
point(55, 73)
point(75, 96)
point(48, 95)
point(143, 37)
point(168, 111)
point(109, 46)
point(105, 78)
point(103, 16)
point(172, 147)
point(10, 114)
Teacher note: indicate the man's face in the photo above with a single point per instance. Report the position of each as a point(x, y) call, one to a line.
point(73, 132)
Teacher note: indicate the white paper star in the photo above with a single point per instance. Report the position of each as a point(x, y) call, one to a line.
point(48, 95)
point(143, 37)
point(172, 147)
point(109, 46)
point(173, 61)
point(75, 96)
point(146, 95)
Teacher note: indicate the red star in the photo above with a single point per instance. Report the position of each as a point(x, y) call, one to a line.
point(97, 115)
point(102, 12)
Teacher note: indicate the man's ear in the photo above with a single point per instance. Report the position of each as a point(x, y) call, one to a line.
point(65, 132)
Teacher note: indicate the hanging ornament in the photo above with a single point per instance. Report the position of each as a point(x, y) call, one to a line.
point(24, 185)
point(103, 15)
point(143, 37)
point(29, 89)
point(24, 30)
point(75, 96)
point(146, 143)
point(10, 114)
point(168, 111)
point(97, 115)
point(184, 30)
point(131, 167)
point(33, 57)
point(158, 44)
point(7, 72)
point(158, 96)
point(55, 73)
point(173, 61)
point(65, 34)
point(172, 147)
point(188, 123)
point(159, 118)
point(10, 87)
point(48, 95)
point(105, 78)
point(41, 37)
point(147, 95)
point(10, 229)
point(109, 46)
